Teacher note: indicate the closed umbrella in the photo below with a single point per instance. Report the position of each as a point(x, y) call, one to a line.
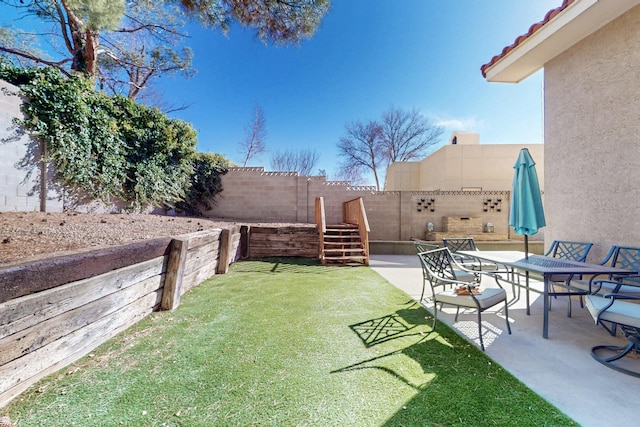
point(526, 215)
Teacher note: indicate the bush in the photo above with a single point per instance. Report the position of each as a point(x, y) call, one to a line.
point(107, 147)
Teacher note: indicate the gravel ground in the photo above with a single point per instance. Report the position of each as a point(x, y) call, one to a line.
point(28, 235)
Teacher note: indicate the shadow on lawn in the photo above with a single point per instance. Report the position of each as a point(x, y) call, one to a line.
point(281, 265)
point(453, 382)
point(402, 323)
point(412, 326)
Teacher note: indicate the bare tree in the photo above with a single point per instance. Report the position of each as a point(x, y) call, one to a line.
point(361, 149)
point(254, 142)
point(407, 135)
point(302, 161)
point(400, 136)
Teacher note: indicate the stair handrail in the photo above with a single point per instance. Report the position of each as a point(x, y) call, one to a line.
point(321, 222)
point(354, 213)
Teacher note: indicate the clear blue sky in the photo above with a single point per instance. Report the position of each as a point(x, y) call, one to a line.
point(367, 56)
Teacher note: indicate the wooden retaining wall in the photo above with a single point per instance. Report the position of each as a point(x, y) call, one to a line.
point(296, 241)
point(56, 310)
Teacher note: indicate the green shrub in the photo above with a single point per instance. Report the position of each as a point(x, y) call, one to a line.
point(108, 147)
point(206, 183)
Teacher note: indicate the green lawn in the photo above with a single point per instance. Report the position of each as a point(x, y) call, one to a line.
point(286, 342)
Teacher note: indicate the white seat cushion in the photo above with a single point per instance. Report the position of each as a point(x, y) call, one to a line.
point(488, 297)
point(621, 312)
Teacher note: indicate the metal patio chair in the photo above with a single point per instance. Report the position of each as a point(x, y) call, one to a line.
point(441, 272)
point(626, 257)
point(422, 246)
point(457, 244)
point(571, 251)
point(618, 310)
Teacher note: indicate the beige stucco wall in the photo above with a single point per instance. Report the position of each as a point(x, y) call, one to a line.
point(592, 138)
point(488, 167)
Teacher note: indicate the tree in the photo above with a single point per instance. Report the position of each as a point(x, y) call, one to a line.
point(277, 21)
point(302, 161)
point(361, 149)
point(406, 135)
point(255, 136)
point(400, 136)
point(110, 39)
point(76, 23)
point(146, 46)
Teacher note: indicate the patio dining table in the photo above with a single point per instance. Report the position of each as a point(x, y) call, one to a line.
point(515, 262)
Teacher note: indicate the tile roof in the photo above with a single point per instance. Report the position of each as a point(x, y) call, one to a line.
point(519, 40)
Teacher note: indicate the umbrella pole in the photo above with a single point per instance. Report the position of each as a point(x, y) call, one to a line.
point(526, 274)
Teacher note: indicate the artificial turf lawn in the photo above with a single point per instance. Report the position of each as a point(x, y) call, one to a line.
point(286, 342)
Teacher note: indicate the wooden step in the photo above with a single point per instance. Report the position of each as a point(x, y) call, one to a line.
point(354, 250)
point(346, 257)
point(349, 248)
point(343, 246)
point(336, 237)
point(343, 226)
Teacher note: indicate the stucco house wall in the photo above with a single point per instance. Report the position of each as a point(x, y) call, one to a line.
point(592, 138)
point(486, 167)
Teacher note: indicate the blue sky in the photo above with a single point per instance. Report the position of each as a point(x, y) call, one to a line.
point(367, 56)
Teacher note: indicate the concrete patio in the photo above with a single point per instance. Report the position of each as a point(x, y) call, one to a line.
point(559, 368)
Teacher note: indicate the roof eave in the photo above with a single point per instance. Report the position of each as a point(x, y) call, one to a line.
point(576, 22)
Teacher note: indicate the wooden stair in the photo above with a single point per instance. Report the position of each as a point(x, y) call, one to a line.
point(343, 246)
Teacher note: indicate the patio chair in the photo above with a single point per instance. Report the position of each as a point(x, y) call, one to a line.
point(462, 275)
point(440, 268)
point(626, 257)
point(571, 251)
point(422, 246)
point(619, 310)
point(458, 244)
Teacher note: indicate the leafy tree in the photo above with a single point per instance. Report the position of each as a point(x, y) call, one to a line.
point(399, 136)
point(254, 142)
point(126, 45)
point(278, 21)
point(76, 24)
point(146, 46)
point(301, 161)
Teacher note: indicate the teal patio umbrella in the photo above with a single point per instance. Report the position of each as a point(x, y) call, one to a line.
point(526, 215)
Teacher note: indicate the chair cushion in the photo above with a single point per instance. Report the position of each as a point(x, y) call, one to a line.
point(488, 298)
point(607, 287)
point(621, 312)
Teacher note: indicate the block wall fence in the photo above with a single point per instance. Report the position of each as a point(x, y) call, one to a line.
point(252, 194)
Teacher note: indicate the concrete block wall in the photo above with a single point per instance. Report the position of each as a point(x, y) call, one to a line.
point(19, 154)
point(253, 194)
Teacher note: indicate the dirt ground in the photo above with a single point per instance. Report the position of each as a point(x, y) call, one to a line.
point(28, 235)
